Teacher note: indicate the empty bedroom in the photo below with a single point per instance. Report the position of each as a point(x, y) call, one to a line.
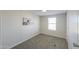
point(37, 29)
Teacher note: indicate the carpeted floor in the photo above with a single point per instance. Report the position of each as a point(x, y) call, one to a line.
point(42, 41)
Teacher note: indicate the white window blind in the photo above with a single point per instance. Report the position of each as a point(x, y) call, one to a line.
point(52, 23)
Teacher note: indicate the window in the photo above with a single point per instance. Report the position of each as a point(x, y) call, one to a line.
point(52, 24)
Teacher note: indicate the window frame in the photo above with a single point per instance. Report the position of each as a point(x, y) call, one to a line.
point(52, 23)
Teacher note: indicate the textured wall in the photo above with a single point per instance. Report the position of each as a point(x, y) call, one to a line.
point(13, 32)
point(60, 25)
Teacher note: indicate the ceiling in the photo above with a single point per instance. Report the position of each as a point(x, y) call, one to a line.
point(48, 12)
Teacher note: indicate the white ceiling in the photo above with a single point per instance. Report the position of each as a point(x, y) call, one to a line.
point(48, 12)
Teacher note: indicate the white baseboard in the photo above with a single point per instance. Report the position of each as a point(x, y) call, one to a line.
point(52, 35)
point(24, 40)
point(34, 34)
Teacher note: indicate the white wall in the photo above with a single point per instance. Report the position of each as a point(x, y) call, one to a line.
point(13, 32)
point(0, 35)
point(72, 28)
point(60, 25)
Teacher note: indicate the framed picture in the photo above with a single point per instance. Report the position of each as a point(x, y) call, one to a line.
point(26, 21)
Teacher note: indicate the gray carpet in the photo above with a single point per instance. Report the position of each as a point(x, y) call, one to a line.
point(42, 41)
